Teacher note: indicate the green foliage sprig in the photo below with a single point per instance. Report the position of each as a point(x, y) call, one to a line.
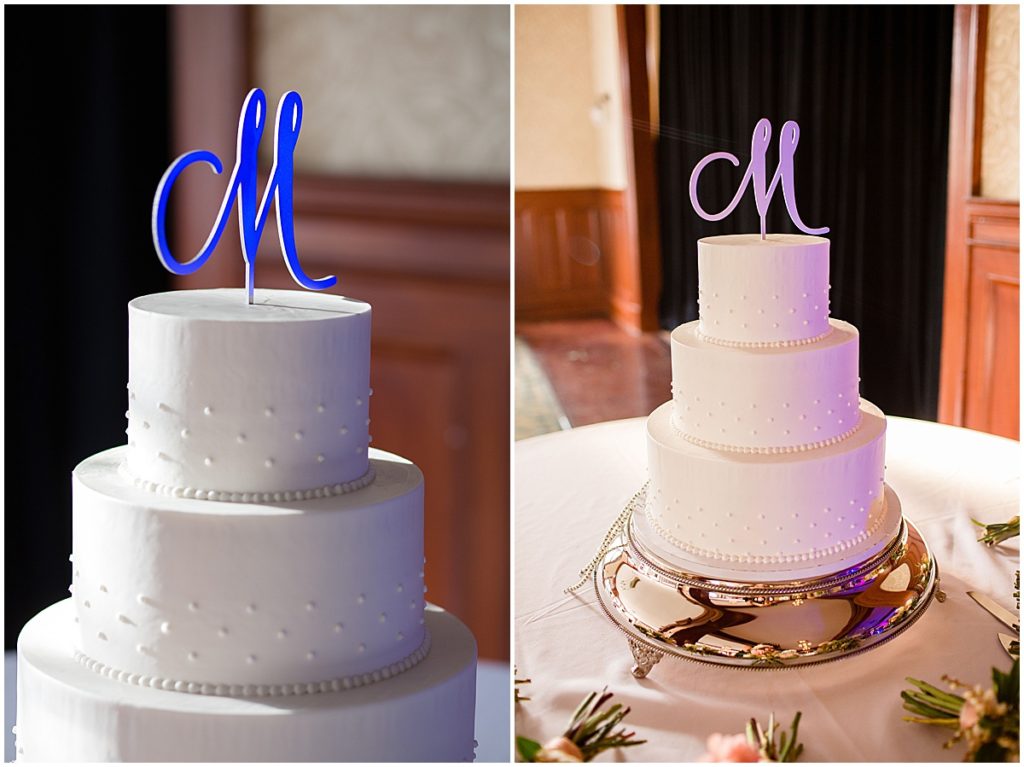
point(997, 532)
point(788, 748)
point(592, 729)
point(986, 719)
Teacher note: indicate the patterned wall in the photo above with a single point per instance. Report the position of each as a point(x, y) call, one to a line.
point(398, 92)
point(1000, 147)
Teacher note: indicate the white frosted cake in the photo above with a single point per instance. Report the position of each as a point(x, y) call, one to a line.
point(766, 465)
point(247, 572)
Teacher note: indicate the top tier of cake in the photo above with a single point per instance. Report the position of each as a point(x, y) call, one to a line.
point(231, 401)
point(771, 292)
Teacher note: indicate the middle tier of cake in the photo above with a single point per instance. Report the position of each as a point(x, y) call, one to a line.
point(248, 598)
point(766, 399)
point(810, 510)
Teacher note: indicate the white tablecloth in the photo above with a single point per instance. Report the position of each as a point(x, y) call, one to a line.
point(570, 486)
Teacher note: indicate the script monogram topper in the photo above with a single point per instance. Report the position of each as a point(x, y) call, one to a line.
point(242, 187)
point(756, 174)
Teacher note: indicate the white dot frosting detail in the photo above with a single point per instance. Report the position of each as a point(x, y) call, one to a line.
point(718, 504)
point(767, 450)
point(808, 555)
point(188, 353)
point(783, 277)
point(206, 581)
point(749, 392)
point(761, 344)
point(255, 497)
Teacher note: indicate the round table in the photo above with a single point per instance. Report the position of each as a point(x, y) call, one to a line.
point(571, 485)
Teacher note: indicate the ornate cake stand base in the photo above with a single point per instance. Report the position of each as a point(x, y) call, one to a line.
point(764, 626)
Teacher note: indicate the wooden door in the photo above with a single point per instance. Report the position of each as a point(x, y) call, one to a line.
point(980, 372)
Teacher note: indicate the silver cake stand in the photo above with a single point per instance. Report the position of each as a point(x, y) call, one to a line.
point(664, 611)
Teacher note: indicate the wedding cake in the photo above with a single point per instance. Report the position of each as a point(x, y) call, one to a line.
point(766, 465)
point(765, 536)
point(248, 576)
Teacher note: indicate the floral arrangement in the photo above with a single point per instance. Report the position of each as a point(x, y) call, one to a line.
point(591, 730)
point(757, 744)
point(987, 719)
point(999, 531)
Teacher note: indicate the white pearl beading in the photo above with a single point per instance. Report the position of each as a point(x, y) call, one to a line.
point(256, 497)
point(763, 344)
point(259, 690)
point(764, 450)
point(766, 559)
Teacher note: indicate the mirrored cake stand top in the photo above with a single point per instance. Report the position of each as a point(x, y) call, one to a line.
point(665, 609)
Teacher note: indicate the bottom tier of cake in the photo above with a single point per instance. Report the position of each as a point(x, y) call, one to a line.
point(818, 510)
point(653, 545)
point(67, 712)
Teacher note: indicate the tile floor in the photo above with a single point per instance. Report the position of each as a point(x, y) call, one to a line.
point(538, 410)
point(575, 372)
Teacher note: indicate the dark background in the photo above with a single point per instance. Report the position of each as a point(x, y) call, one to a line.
point(869, 87)
point(86, 142)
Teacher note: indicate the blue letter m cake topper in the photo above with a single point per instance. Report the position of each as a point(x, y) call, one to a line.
point(242, 186)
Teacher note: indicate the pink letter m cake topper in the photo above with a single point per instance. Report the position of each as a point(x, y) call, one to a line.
point(759, 141)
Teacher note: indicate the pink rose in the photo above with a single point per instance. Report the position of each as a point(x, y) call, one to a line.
point(729, 748)
point(968, 716)
point(560, 750)
point(761, 650)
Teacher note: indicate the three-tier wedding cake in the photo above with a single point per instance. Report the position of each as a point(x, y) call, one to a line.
point(766, 465)
point(766, 535)
point(248, 576)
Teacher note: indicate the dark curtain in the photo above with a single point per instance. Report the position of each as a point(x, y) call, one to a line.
point(869, 87)
point(86, 141)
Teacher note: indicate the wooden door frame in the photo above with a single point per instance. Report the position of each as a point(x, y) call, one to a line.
point(965, 205)
point(636, 283)
point(963, 182)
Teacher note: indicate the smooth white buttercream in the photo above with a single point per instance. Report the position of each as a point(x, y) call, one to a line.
point(248, 594)
point(758, 508)
point(770, 397)
point(873, 520)
point(233, 398)
point(763, 291)
point(67, 712)
point(349, 682)
point(764, 569)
